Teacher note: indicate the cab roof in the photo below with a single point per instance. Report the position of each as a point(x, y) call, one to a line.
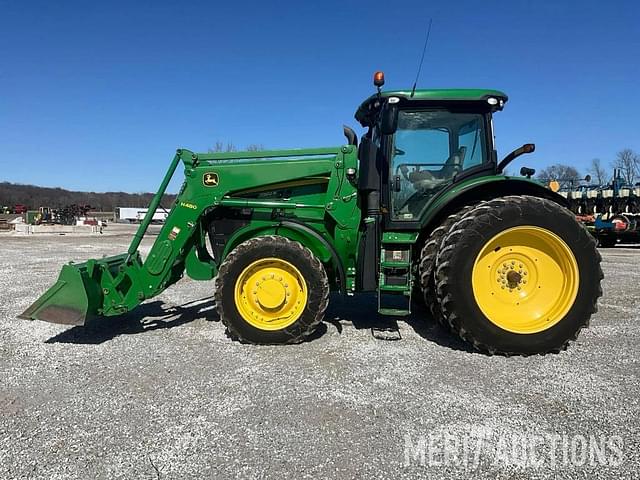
point(431, 97)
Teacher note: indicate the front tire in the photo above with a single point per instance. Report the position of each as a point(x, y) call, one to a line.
point(271, 290)
point(518, 275)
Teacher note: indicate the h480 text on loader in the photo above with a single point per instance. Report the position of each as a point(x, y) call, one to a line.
point(418, 211)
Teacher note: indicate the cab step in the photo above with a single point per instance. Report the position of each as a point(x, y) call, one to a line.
point(395, 281)
point(396, 312)
point(389, 331)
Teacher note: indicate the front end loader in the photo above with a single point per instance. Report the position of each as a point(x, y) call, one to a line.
point(418, 211)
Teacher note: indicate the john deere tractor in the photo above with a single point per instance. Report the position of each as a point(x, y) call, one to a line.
point(418, 211)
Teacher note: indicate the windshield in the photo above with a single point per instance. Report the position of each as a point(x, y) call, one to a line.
point(430, 148)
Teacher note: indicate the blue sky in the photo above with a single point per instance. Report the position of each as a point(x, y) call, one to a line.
point(97, 95)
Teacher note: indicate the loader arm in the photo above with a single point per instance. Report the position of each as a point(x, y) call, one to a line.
point(114, 285)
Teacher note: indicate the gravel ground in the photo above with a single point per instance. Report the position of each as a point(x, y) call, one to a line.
point(162, 393)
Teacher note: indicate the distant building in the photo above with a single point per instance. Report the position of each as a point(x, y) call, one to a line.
point(136, 215)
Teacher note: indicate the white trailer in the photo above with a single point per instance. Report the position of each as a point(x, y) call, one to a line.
point(136, 215)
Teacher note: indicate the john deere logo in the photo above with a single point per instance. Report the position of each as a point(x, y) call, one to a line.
point(210, 179)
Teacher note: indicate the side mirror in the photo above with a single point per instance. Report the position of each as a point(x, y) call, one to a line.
point(389, 119)
point(526, 148)
point(528, 172)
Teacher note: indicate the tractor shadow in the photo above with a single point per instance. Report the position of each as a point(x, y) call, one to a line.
point(362, 312)
point(147, 317)
point(358, 312)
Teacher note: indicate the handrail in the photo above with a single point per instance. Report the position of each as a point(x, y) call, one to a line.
point(269, 154)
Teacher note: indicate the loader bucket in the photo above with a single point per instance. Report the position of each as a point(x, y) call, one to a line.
point(75, 298)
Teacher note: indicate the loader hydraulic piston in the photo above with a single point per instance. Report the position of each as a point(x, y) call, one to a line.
point(153, 206)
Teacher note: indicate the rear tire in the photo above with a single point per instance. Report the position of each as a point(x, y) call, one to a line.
point(492, 250)
point(271, 290)
point(427, 266)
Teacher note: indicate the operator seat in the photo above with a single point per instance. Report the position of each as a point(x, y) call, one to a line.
point(426, 179)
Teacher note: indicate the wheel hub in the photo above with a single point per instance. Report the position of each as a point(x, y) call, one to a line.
point(270, 294)
point(513, 278)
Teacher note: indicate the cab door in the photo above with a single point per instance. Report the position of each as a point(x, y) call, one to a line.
point(428, 151)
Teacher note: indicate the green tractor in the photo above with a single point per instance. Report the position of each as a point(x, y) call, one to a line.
point(418, 211)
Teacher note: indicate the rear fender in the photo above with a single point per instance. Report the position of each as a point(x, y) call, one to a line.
point(486, 188)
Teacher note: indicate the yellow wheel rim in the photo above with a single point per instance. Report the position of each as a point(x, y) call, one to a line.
point(525, 279)
point(270, 294)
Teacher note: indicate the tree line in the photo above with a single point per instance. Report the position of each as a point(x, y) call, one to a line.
point(626, 161)
point(33, 197)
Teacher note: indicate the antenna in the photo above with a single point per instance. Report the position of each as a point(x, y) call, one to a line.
point(424, 49)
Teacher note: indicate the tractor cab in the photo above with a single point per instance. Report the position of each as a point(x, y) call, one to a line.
point(420, 147)
point(419, 143)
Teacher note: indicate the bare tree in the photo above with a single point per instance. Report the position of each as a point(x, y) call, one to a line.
point(565, 175)
point(598, 172)
point(628, 162)
point(220, 147)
